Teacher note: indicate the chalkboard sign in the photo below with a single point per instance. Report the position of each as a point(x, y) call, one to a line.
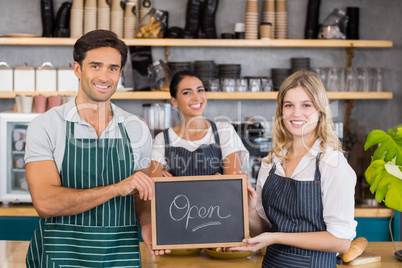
point(199, 211)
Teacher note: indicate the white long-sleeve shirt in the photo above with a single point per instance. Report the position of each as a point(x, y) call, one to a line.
point(338, 181)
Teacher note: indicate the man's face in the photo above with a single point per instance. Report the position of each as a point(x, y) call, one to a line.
point(99, 74)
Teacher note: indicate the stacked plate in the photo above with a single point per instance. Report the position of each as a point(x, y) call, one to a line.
point(77, 19)
point(229, 70)
point(251, 19)
point(206, 70)
point(103, 15)
point(278, 76)
point(281, 20)
point(269, 14)
point(300, 64)
point(90, 15)
point(176, 66)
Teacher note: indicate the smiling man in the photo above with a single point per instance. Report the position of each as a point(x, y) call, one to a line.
point(87, 166)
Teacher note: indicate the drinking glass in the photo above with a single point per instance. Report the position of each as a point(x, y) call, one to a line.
point(254, 84)
point(241, 85)
point(351, 83)
point(333, 79)
point(267, 84)
point(363, 79)
point(214, 85)
point(378, 81)
point(322, 72)
point(228, 84)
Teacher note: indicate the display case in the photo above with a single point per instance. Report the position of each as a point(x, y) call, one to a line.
point(13, 184)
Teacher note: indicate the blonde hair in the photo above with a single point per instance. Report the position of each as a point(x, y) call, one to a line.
point(311, 83)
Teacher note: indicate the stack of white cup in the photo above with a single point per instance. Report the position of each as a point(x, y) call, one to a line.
point(269, 14)
point(90, 15)
point(117, 15)
point(251, 19)
point(103, 15)
point(77, 19)
point(130, 19)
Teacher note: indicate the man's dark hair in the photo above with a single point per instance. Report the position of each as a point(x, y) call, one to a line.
point(96, 39)
point(176, 79)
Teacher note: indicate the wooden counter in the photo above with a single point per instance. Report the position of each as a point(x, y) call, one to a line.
point(22, 210)
point(12, 254)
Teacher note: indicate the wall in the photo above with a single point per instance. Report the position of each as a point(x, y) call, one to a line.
point(379, 20)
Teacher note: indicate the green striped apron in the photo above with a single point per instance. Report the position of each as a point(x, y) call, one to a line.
point(104, 236)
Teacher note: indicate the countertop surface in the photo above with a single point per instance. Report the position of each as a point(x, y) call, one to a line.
point(27, 210)
point(12, 255)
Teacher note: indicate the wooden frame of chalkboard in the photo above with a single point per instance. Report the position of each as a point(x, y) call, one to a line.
point(199, 211)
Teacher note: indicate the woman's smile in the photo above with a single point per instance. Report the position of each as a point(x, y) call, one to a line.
point(196, 106)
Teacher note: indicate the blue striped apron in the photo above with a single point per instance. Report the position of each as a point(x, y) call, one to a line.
point(205, 160)
point(104, 236)
point(294, 207)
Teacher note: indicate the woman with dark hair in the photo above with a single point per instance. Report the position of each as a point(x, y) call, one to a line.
point(196, 146)
point(303, 207)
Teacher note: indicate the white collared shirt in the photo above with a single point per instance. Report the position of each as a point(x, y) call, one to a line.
point(46, 134)
point(230, 142)
point(338, 181)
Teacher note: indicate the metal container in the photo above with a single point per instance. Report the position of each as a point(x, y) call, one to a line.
point(67, 81)
point(24, 78)
point(160, 116)
point(46, 77)
point(160, 75)
point(6, 77)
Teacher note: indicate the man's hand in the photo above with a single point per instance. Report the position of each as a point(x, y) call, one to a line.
point(138, 182)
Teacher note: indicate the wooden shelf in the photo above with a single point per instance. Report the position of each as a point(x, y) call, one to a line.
point(317, 43)
point(164, 95)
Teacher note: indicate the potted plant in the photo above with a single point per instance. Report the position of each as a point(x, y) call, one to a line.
point(384, 173)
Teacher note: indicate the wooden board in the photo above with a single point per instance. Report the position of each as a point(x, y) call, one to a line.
point(199, 212)
point(366, 257)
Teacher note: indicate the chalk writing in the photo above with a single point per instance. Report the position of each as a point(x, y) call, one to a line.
point(183, 210)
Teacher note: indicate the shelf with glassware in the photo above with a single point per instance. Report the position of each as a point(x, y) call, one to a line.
point(317, 43)
point(350, 45)
point(164, 95)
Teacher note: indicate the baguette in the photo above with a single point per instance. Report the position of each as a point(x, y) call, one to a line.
point(356, 249)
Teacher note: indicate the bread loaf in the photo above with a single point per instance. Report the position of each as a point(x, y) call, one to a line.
point(356, 249)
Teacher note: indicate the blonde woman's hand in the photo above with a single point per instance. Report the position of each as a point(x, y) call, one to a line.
point(256, 243)
point(252, 194)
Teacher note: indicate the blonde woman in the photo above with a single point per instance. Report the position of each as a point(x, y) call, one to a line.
point(303, 207)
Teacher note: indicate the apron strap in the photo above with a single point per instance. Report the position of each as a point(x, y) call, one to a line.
point(317, 174)
point(166, 137)
point(124, 133)
point(69, 129)
point(272, 171)
point(215, 132)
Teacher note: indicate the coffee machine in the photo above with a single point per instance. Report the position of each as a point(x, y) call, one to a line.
point(257, 139)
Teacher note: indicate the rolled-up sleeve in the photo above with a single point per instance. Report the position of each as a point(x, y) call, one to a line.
point(39, 146)
point(338, 195)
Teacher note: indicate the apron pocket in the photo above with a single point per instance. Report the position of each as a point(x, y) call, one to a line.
point(73, 245)
point(275, 258)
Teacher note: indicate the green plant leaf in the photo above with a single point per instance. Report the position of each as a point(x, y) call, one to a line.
point(389, 145)
point(385, 186)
